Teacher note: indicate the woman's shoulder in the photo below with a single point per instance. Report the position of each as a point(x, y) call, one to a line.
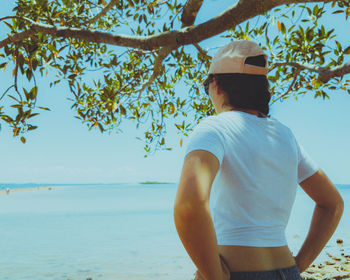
point(237, 118)
point(208, 120)
point(210, 124)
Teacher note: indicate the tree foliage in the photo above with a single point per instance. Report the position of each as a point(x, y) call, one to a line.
point(136, 74)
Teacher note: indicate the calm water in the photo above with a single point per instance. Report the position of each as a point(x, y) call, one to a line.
point(113, 232)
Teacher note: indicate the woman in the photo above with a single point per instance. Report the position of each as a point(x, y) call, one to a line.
point(249, 165)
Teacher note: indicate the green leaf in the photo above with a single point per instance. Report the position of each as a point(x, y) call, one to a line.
point(339, 46)
point(9, 25)
point(13, 98)
point(44, 108)
point(347, 50)
point(283, 28)
point(122, 110)
point(33, 92)
point(16, 106)
point(337, 12)
point(33, 115)
point(35, 63)
point(32, 127)
point(309, 35)
point(29, 74)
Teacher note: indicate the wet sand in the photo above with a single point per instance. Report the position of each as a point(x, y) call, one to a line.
point(10, 191)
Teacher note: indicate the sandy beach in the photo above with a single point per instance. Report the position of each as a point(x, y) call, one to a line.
point(335, 269)
point(9, 191)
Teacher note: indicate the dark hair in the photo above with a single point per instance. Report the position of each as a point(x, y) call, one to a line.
point(247, 91)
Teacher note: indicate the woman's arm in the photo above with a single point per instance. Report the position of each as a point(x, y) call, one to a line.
point(192, 214)
point(196, 231)
point(328, 211)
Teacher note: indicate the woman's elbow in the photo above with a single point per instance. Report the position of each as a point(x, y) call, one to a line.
point(188, 211)
point(340, 206)
point(337, 207)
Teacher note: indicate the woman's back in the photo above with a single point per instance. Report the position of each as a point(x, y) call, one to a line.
point(254, 190)
point(244, 258)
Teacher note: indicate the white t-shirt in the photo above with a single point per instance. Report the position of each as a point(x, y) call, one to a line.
point(261, 164)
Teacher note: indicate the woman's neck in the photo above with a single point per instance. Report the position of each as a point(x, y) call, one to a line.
point(249, 111)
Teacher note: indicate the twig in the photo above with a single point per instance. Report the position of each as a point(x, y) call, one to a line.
point(35, 84)
point(162, 54)
point(297, 65)
point(103, 12)
point(5, 18)
point(16, 69)
point(6, 92)
point(324, 74)
point(290, 86)
point(16, 75)
point(203, 52)
point(17, 17)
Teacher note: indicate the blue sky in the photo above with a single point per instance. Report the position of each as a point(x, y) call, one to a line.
point(62, 150)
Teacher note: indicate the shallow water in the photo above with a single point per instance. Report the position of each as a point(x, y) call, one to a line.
point(112, 232)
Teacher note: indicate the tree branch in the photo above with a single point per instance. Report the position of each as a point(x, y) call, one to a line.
point(241, 11)
point(18, 37)
point(339, 71)
point(203, 52)
point(295, 77)
point(324, 74)
point(188, 17)
point(190, 11)
point(104, 11)
point(162, 54)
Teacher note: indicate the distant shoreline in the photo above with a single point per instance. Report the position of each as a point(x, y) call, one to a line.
point(155, 182)
point(12, 188)
point(34, 185)
point(9, 191)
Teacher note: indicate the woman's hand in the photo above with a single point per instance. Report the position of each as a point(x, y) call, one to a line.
point(198, 276)
point(226, 275)
point(225, 271)
point(326, 216)
point(300, 266)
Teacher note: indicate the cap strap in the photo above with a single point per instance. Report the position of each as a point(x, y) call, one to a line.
point(257, 70)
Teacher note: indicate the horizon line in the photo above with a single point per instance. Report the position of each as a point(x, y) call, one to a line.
point(97, 183)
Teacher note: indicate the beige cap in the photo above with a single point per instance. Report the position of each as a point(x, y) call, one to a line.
point(231, 59)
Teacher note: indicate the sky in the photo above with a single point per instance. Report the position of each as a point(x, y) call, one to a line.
point(62, 150)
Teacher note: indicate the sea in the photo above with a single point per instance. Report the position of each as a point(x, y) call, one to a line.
point(115, 231)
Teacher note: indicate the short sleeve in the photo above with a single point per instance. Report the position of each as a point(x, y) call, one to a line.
point(306, 166)
point(206, 136)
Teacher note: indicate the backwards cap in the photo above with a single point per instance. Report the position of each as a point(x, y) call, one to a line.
point(231, 59)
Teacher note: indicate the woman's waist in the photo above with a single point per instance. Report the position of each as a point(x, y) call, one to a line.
point(251, 236)
point(247, 258)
